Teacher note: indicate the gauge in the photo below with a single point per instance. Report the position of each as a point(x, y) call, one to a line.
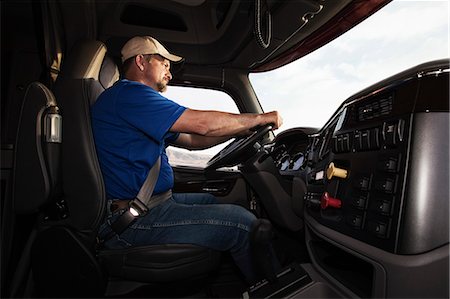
point(298, 161)
point(284, 162)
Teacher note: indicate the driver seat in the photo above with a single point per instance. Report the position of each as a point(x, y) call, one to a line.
point(67, 259)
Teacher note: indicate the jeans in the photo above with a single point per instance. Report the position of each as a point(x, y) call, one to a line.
point(194, 219)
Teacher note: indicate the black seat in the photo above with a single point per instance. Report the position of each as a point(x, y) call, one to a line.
point(66, 259)
point(35, 174)
point(35, 181)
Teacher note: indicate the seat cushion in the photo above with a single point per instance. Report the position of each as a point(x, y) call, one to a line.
point(160, 263)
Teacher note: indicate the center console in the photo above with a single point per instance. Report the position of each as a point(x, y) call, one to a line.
point(377, 201)
point(379, 169)
point(377, 193)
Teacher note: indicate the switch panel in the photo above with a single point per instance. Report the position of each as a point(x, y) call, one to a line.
point(366, 172)
point(384, 156)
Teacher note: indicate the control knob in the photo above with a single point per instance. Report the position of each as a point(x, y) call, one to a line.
point(327, 201)
point(335, 171)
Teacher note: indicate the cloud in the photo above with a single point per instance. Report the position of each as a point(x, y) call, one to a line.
point(401, 35)
point(404, 20)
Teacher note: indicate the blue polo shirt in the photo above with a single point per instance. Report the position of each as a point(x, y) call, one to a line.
point(131, 123)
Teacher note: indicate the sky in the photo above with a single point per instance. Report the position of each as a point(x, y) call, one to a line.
point(401, 35)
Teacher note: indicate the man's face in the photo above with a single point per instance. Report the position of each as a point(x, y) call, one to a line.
point(158, 72)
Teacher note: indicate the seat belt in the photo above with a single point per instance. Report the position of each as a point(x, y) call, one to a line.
point(143, 202)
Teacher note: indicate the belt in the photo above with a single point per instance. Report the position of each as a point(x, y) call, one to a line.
point(133, 209)
point(123, 204)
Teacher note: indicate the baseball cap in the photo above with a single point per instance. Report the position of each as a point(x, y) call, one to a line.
point(146, 45)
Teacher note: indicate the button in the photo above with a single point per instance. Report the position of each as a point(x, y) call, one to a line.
point(340, 144)
point(364, 183)
point(328, 201)
point(374, 138)
point(390, 133)
point(383, 207)
point(365, 140)
point(357, 136)
point(378, 228)
point(389, 164)
point(400, 129)
point(346, 142)
point(386, 185)
point(336, 148)
point(355, 220)
point(359, 202)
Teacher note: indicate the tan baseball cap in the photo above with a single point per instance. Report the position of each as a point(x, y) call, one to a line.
point(146, 45)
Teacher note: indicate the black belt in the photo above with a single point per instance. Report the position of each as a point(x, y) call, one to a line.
point(133, 209)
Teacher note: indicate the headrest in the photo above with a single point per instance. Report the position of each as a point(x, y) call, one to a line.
point(85, 60)
point(109, 72)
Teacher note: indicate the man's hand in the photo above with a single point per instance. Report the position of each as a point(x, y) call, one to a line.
point(274, 118)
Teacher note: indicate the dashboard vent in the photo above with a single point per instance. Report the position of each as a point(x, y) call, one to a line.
point(376, 108)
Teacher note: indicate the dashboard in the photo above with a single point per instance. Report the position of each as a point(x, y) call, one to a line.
point(377, 192)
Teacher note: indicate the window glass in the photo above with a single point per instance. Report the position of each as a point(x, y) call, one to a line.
point(201, 99)
point(399, 36)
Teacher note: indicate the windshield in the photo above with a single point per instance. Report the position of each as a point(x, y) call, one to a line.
point(401, 35)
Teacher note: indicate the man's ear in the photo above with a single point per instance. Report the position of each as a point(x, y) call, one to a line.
point(138, 61)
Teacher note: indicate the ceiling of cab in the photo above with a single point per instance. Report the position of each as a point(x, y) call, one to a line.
point(254, 35)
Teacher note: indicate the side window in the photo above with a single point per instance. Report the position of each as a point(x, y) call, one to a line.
point(201, 99)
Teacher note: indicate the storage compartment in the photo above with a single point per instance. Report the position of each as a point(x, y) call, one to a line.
point(353, 272)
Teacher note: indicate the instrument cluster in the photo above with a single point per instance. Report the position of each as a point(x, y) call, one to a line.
point(290, 151)
point(291, 163)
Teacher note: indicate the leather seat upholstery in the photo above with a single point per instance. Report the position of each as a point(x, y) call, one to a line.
point(160, 263)
point(34, 178)
point(35, 181)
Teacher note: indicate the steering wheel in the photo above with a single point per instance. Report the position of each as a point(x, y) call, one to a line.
point(235, 152)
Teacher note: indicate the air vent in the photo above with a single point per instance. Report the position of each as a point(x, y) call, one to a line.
point(376, 108)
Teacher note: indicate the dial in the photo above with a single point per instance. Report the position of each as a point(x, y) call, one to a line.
point(297, 161)
point(284, 162)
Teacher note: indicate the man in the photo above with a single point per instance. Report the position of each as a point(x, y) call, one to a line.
point(133, 123)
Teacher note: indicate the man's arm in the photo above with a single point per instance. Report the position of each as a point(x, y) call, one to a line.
point(198, 142)
point(222, 124)
point(200, 129)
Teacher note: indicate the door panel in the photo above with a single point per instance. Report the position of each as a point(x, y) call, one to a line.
point(227, 186)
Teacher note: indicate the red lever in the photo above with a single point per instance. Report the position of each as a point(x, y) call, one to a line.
point(327, 201)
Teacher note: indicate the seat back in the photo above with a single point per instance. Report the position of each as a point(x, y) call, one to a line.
point(79, 84)
point(36, 181)
point(37, 151)
point(63, 256)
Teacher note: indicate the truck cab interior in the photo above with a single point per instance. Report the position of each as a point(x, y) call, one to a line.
point(358, 208)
